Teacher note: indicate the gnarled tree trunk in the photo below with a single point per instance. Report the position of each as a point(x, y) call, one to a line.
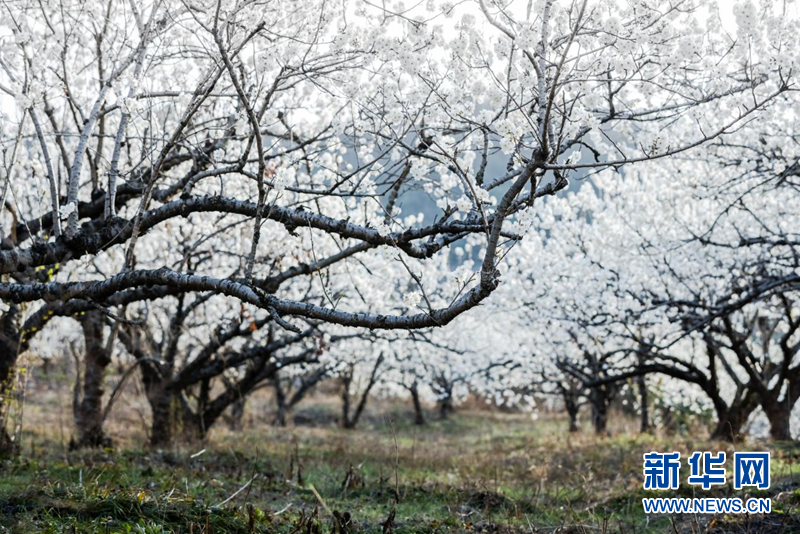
point(779, 428)
point(731, 419)
point(779, 410)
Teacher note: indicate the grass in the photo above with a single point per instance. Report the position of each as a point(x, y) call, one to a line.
point(479, 472)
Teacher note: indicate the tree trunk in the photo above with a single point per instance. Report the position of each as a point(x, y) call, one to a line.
point(779, 412)
point(445, 402)
point(162, 425)
point(88, 414)
point(194, 425)
point(350, 421)
point(728, 428)
point(600, 418)
point(779, 416)
point(9, 345)
point(237, 414)
point(281, 417)
point(446, 407)
point(667, 418)
point(9, 351)
point(419, 414)
point(8, 361)
point(600, 399)
point(280, 400)
point(644, 416)
point(730, 421)
point(346, 380)
point(7, 446)
point(572, 411)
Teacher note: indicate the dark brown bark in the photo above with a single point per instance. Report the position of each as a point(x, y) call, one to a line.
point(600, 398)
point(9, 351)
point(162, 408)
point(173, 419)
point(600, 417)
point(88, 413)
point(731, 419)
point(572, 407)
point(193, 425)
point(346, 381)
point(446, 408)
point(7, 445)
point(8, 359)
point(571, 392)
point(777, 408)
point(236, 416)
point(419, 413)
point(280, 399)
point(779, 415)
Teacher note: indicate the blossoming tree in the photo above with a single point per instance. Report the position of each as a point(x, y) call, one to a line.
point(271, 148)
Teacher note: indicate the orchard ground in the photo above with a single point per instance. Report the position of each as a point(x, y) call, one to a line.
point(480, 471)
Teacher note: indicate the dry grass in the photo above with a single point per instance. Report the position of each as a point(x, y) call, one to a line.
point(479, 472)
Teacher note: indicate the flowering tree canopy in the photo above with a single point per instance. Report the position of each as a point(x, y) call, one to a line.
point(306, 167)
